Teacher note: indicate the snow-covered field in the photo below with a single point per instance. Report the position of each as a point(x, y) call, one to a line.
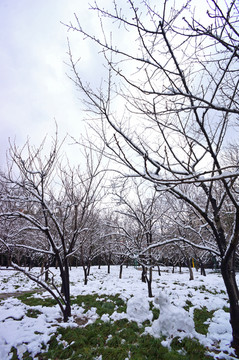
point(172, 292)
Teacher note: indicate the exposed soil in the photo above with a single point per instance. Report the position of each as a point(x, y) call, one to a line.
point(18, 293)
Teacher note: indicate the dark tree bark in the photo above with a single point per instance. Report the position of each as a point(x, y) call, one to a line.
point(229, 277)
point(121, 271)
point(191, 277)
point(159, 272)
point(143, 274)
point(203, 272)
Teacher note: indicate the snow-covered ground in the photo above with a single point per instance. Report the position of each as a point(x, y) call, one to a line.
point(172, 292)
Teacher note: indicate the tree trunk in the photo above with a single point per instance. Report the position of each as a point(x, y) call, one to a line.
point(108, 268)
point(143, 275)
point(29, 263)
point(46, 271)
point(229, 277)
point(67, 311)
point(66, 290)
point(42, 267)
point(203, 272)
point(9, 259)
point(149, 282)
point(121, 270)
point(190, 270)
point(159, 272)
point(85, 275)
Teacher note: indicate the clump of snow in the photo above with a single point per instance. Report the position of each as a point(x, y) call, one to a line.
point(89, 317)
point(105, 318)
point(138, 309)
point(173, 320)
point(219, 328)
point(23, 332)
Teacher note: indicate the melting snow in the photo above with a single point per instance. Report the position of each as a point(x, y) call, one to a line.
point(172, 292)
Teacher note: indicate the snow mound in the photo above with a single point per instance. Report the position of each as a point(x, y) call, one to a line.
point(173, 320)
point(220, 328)
point(138, 309)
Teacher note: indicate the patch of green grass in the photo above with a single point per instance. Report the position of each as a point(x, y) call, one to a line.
point(188, 305)
point(203, 288)
point(154, 310)
point(25, 356)
point(226, 309)
point(119, 303)
point(105, 304)
point(200, 316)
point(33, 313)
point(29, 300)
point(116, 340)
point(194, 350)
point(14, 353)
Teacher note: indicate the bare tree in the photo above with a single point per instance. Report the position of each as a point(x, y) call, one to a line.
point(50, 205)
point(170, 105)
point(139, 214)
point(90, 244)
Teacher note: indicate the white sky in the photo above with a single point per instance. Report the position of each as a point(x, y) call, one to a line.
point(34, 88)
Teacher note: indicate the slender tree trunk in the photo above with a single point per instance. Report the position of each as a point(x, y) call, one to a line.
point(99, 265)
point(121, 270)
point(46, 271)
point(42, 267)
point(196, 264)
point(85, 275)
point(190, 270)
point(29, 263)
point(203, 272)
point(9, 259)
point(229, 277)
point(149, 282)
point(108, 268)
point(159, 272)
point(66, 287)
point(144, 274)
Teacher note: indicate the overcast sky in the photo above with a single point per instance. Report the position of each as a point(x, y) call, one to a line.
point(35, 90)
